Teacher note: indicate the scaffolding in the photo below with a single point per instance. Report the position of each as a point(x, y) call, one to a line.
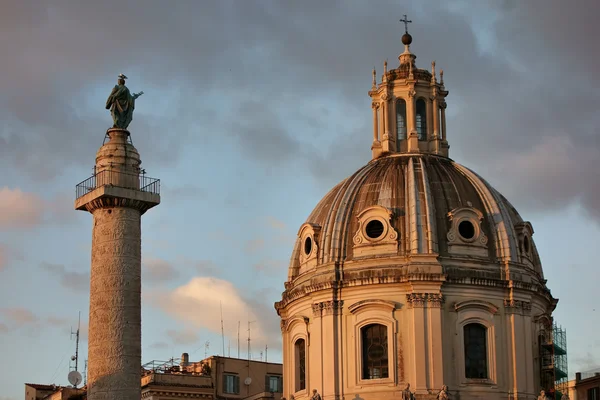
point(553, 356)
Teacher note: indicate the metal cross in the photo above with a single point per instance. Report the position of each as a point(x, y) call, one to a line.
point(406, 22)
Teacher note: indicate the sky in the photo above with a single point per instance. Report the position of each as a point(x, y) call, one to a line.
point(252, 111)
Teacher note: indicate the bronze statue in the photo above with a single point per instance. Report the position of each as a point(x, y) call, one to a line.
point(121, 104)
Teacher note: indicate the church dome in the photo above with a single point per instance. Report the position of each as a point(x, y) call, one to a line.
point(403, 205)
point(414, 272)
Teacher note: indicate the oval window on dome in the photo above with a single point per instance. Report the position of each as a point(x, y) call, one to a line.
point(374, 229)
point(307, 245)
point(466, 229)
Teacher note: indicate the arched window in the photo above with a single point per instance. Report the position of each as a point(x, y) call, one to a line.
point(421, 119)
point(400, 119)
point(475, 336)
point(374, 351)
point(300, 350)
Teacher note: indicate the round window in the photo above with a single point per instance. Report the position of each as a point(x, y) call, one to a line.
point(374, 229)
point(526, 244)
point(466, 229)
point(307, 245)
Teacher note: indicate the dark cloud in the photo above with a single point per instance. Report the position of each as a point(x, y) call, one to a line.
point(287, 83)
point(182, 337)
point(158, 271)
point(73, 280)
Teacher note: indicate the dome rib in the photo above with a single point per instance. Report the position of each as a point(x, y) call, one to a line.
point(504, 233)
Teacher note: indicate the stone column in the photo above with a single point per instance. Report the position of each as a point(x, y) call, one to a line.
point(116, 202)
point(375, 123)
point(443, 112)
point(436, 124)
point(435, 333)
point(332, 369)
point(418, 370)
point(413, 139)
point(114, 342)
point(387, 141)
point(376, 146)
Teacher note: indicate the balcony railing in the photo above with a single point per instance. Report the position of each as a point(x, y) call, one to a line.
point(109, 177)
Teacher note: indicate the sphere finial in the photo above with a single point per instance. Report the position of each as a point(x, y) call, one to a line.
point(406, 38)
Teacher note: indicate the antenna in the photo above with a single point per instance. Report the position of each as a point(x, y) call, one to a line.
point(249, 354)
point(206, 347)
point(222, 330)
point(74, 378)
point(229, 348)
point(238, 339)
point(85, 373)
point(261, 355)
point(76, 333)
point(266, 350)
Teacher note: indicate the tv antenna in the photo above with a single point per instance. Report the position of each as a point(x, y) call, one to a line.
point(75, 358)
point(238, 340)
point(249, 354)
point(222, 330)
point(206, 347)
point(74, 376)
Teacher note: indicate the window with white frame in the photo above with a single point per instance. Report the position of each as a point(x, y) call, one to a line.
point(273, 384)
point(231, 383)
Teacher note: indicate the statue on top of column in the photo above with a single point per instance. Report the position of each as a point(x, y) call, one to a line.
point(121, 104)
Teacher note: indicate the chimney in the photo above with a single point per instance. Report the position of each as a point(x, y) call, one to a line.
point(185, 359)
point(577, 377)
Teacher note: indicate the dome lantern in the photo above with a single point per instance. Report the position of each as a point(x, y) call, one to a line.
point(409, 108)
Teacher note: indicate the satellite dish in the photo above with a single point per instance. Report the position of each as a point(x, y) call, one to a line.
point(74, 378)
point(248, 381)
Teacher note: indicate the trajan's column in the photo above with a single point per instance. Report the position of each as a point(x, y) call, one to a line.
point(116, 195)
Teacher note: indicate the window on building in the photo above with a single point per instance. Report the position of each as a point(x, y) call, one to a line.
point(300, 348)
point(593, 393)
point(475, 336)
point(273, 383)
point(400, 119)
point(374, 351)
point(231, 384)
point(421, 119)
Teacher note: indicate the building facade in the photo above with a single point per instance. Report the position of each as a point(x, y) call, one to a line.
point(214, 378)
point(414, 270)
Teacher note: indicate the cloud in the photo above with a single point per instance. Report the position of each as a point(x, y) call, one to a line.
point(3, 257)
point(73, 280)
point(3, 328)
point(57, 321)
point(254, 245)
point(306, 107)
point(19, 210)
point(269, 265)
point(19, 316)
point(183, 337)
point(207, 268)
point(276, 223)
point(212, 294)
point(157, 271)
point(159, 345)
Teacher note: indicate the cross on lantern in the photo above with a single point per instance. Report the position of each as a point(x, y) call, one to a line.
point(406, 22)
